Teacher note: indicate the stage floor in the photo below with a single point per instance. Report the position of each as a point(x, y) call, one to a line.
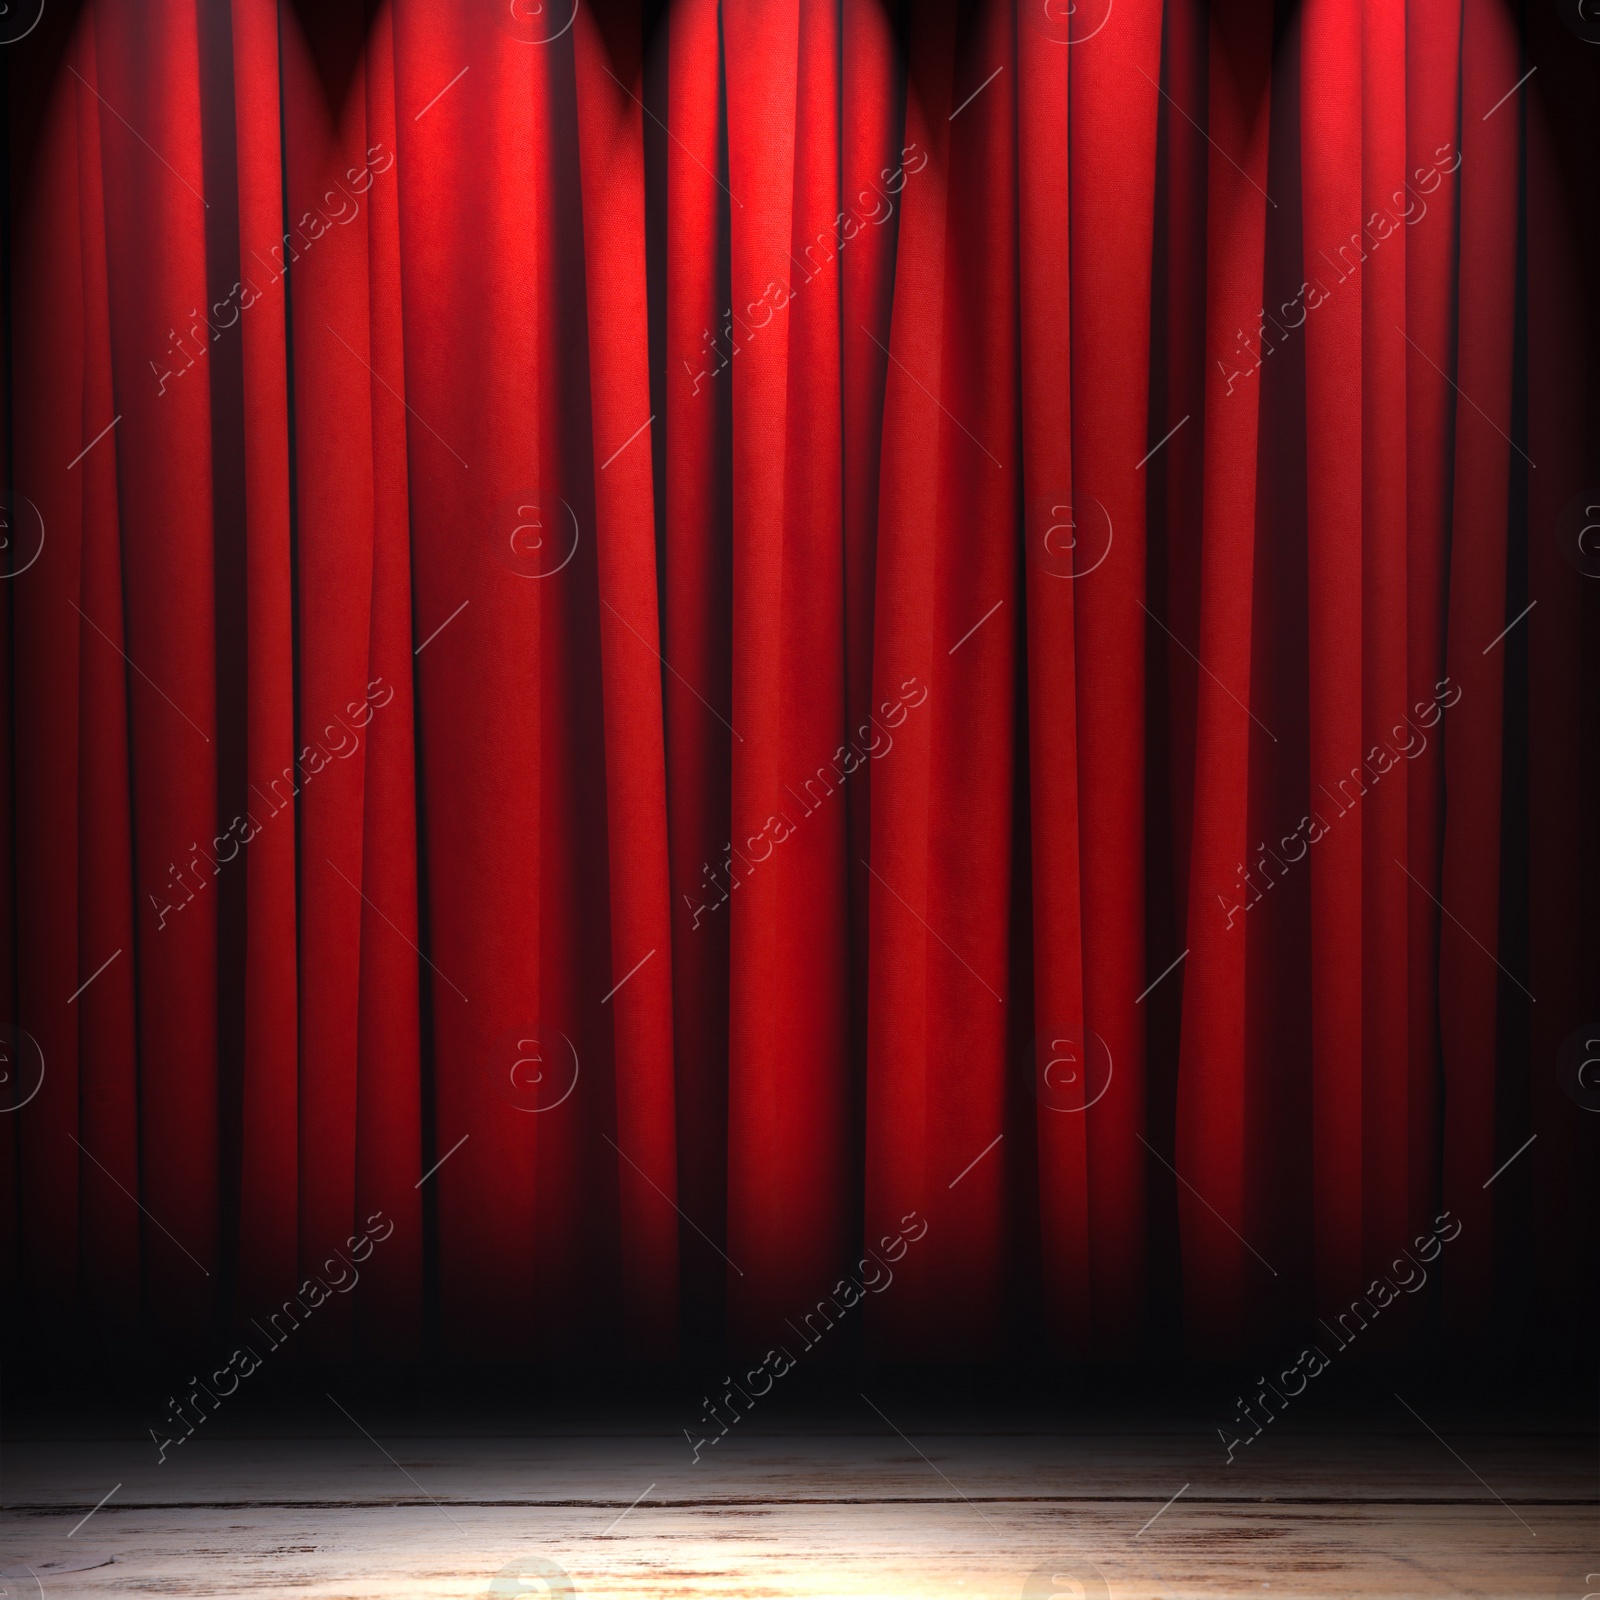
point(350, 1495)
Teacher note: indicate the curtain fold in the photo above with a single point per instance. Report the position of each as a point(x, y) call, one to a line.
point(725, 663)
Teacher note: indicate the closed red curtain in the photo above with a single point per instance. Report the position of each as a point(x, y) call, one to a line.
point(658, 658)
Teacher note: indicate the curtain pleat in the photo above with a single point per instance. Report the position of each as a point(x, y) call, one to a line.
point(1045, 299)
point(1430, 210)
point(1335, 248)
point(612, 146)
point(269, 1161)
point(1111, 190)
point(697, 637)
point(1211, 1147)
point(145, 61)
point(1470, 876)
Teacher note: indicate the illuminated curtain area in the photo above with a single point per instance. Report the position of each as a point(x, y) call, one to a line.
point(664, 667)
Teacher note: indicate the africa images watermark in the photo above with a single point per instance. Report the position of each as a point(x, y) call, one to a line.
point(1380, 1294)
point(1380, 759)
point(1314, 293)
point(845, 1296)
point(848, 758)
point(244, 294)
point(243, 829)
point(830, 241)
point(313, 1292)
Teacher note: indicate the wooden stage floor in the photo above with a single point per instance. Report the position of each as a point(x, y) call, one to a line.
point(348, 1495)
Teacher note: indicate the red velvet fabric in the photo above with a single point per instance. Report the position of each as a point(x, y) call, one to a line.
point(697, 634)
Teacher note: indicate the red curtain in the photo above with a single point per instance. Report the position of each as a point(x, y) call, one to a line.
point(670, 649)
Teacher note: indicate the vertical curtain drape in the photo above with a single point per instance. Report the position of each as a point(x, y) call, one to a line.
point(666, 667)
